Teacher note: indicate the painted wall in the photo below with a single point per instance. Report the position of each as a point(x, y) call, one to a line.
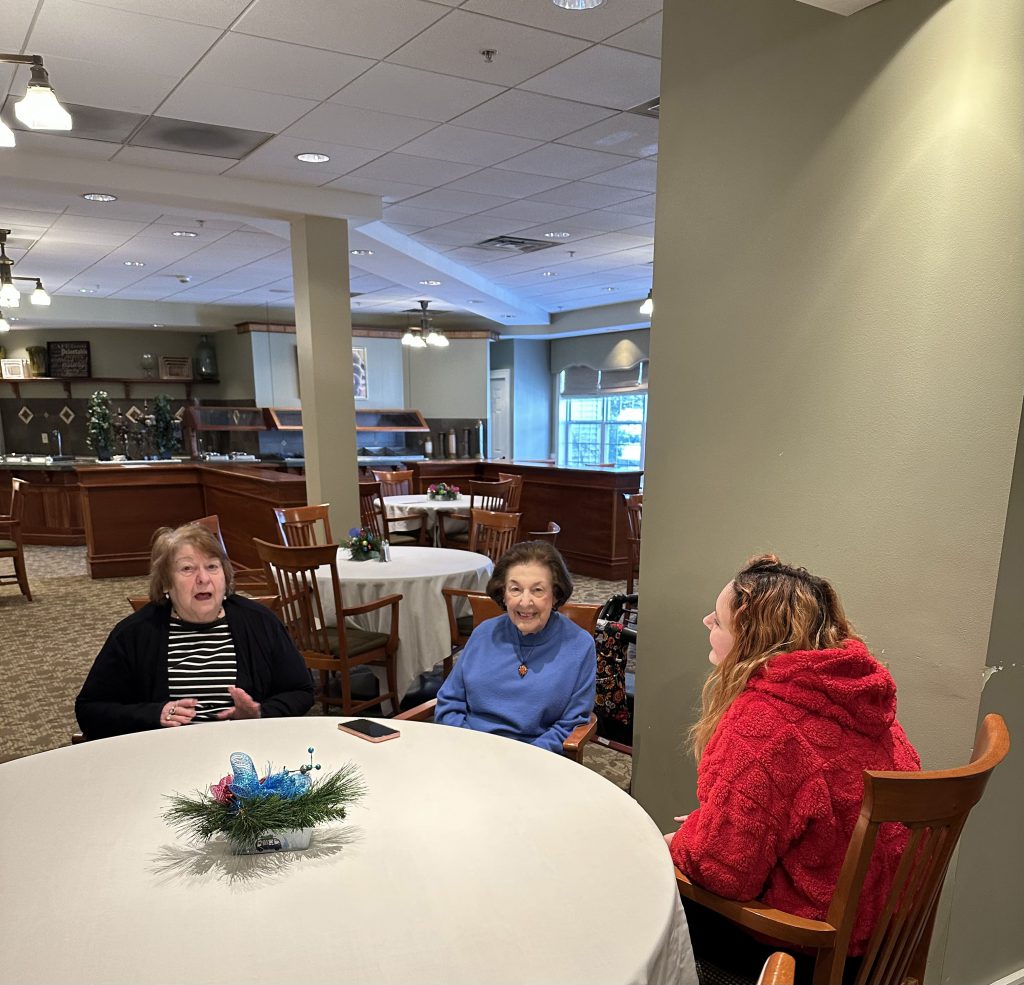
point(840, 378)
point(385, 373)
point(452, 382)
point(532, 400)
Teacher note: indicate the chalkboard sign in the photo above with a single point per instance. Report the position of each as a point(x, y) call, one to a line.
point(68, 359)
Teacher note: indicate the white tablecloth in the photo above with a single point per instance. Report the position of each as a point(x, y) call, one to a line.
point(471, 859)
point(399, 506)
point(418, 574)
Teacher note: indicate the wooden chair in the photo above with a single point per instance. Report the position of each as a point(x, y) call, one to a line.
point(492, 533)
point(246, 579)
point(484, 607)
point(516, 494)
point(10, 540)
point(779, 969)
point(326, 649)
point(304, 526)
point(934, 806)
point(634, 514)
point(550, 535)
point(272, 602)
point(411, 530)
point(492, 496)
point(411, 527)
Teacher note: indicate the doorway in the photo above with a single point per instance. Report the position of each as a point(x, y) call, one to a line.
point(501, 414)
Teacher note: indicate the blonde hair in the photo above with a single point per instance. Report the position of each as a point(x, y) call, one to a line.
point(775, 608)
point(167, 541)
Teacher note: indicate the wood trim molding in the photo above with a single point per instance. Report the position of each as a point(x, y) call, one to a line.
point(358, 332)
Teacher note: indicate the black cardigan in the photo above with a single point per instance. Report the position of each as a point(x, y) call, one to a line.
point(127, 687)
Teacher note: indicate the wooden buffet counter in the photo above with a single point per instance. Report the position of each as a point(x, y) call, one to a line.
point(53, 506)
point(585, 502)
point(123, 504)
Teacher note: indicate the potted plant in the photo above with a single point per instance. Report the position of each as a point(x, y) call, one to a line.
point(100, 425)
point(164, 438)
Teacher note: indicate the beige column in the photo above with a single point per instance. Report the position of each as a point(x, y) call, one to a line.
point(837, 363)
point(324, 340)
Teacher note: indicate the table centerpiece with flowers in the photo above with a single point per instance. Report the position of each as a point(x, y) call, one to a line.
point(275, 812)
point(363, 544)
point(442, 491)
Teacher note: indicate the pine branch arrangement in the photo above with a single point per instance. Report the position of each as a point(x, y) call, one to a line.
point(163, 427)
point(99, 424)
point(245, 811)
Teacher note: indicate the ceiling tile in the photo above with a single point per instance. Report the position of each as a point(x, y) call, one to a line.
point(645, 206)
point(448, 143)
point(465, 203)
point(642, 175)
point(228, 106)
point(626, 133)
point(415, 170)
point(644, 37)
point(372, 28)
point(530, 212)
point(511, 184)
point(413, 215)
point(172, 160)
point(280, 151)
point(297, 175)
point(557, 161)
point(93, 83)
point(26, 223)
point(587, 196)
point(55, 143)
point(456, 42)
point(603, 75)
point(389, 191)
point(529, 114)
point(18, 16)
point(275, 66)
point(594, 25)
point(398, 89)
point(212, 13)
point(158, 44)
point(358, 127)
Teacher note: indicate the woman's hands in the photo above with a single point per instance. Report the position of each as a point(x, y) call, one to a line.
point(179, 712)
point(679, 820)
point(245, 707)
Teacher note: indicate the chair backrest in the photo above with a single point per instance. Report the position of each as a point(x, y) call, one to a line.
point(304, 526)
point(212, 523)
point(373, 514)
point(272, 602)
point(18, 491)
point(934, 806)
point(584, 614)
point(517, 489)
point(492, 533)
point(550, 535)
point(779, 969)
point(634, 514)
point(492, 496)
point(395, 483)
point(301, 608)
point(484, 607)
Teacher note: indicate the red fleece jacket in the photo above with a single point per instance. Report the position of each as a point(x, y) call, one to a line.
point(781, 781)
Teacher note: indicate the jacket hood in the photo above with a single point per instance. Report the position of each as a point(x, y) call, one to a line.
point(845, 684)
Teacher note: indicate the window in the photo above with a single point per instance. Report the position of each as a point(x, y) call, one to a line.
point(602, 430)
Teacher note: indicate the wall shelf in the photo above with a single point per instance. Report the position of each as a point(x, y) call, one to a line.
point(126, 381)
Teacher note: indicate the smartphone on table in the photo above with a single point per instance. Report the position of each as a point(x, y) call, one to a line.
point(371, 731)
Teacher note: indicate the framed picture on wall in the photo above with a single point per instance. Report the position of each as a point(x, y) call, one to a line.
point(13, 369)
point(359, 385)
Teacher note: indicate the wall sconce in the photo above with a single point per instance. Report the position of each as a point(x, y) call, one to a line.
point(10, 296)
point(39, 108)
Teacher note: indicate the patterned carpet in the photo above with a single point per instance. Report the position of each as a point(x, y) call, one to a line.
point(48, 645)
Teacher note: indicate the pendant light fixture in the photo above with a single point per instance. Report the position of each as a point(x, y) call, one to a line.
point(413, 338)
point(10, 296)
point(647, 308)
point(39, 108)
point(4, 324)
point(432, 336)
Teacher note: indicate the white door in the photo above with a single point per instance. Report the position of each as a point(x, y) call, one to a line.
point(501, 413)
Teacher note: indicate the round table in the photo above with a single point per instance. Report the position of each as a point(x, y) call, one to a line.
point(418, 574)
point(399, 506)
point(472, 858)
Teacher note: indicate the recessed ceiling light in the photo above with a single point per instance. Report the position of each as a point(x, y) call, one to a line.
point(578, 4)
point(99, 197)
point(158, 324)
point(187, 233)
point(506, 316)
point(361, 253)
point(548, 273)
point(430, 283)
point(474, 301)
point(609, 288)
point(87, 290)
point(313, 158)
point(559, 235)
point(134, 263)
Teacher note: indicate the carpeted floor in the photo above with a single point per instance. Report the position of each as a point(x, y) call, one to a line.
point(48, 645)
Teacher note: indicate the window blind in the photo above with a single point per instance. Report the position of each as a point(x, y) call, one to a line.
point(582, 381)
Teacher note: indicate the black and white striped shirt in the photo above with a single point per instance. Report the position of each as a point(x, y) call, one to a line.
point(201, 664)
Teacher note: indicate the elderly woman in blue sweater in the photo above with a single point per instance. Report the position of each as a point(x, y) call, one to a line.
point(528, 674)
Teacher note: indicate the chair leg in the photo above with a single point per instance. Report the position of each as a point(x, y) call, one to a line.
point(22, 574)
point(391, 669)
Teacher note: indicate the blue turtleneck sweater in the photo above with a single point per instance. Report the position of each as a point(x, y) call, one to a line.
point(486, 692)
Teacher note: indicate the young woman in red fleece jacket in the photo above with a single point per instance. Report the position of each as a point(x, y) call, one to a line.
point(794, 711)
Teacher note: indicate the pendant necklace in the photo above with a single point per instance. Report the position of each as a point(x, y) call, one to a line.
point(522, 663)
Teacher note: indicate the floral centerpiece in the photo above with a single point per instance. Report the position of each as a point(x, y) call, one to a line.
point(276, 812)
point(363, 544)
point(442, 490)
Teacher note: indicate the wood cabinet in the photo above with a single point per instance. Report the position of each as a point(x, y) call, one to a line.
point(53, 505)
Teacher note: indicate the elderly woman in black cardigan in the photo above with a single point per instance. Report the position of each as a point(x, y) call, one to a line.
point(196, 653)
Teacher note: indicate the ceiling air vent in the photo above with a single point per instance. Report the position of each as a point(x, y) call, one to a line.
point(651, 108)
point(513, 244)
